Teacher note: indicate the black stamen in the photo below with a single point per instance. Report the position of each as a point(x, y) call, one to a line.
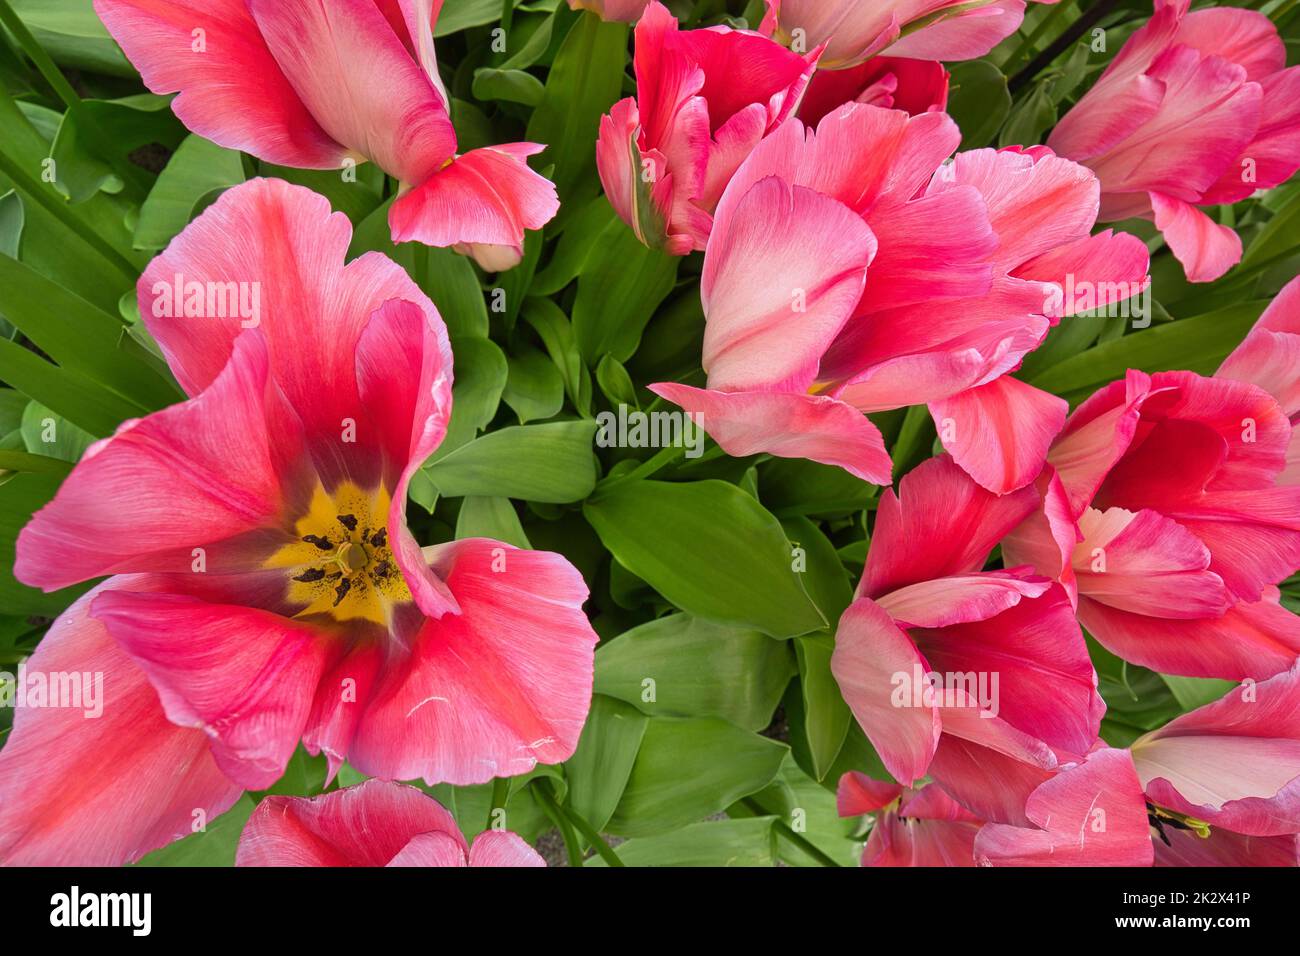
point(342, 591)
point(1156, 822)
point(323, 543)
point(379, 538)
point(348, 521)
point(310, 575)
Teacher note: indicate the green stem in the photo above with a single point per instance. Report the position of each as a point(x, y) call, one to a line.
point(542, 790)
point(1031, 41)
point(131, 176)
point(597, 842)
point(60, 211)
point(803, 843)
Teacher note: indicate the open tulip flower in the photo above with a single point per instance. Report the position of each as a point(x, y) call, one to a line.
point(855, 30)
point(924, 827)
point(925, 606)
point(265, 589)
point(1169, 512)
point(322, 85)
point(914, 86)
point(376, 823)
point(704, 99)
point(1198, 109)
point(851, 270)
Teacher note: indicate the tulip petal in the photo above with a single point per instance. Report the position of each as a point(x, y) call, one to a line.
point(81, 791)
point(1206, 249)
point(1093, 814)
point(787, 425)
point(232, 90)
point(367, 825)
point(500, 848)
point(432, 714)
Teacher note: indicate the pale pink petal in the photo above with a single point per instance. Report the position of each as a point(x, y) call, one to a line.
point(965, 35)
point(501, 848)
point(961, 598)
point(788, 425)
point(430, 849)
point(492, 690)
point(1146, 563)
point(1045, 541)
point(365, 825)
point(1233, 763)
point(872, 659)
point(1000, 432)
point(233, 91)
point(77, 790)
point(1206, 249)
point(486, 197)
point(1245, 37)
point(1093, 814)
point(359, 82)
point(1102, 270)
point(781, 277)
point(1225, 848)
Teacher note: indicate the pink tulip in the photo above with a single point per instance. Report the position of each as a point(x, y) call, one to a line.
point(854, 30)
point(375, 823)
point(1219, 786)
point(265, 588)
point(1197, 109)
point(622, 11)
point(704, 100)
point(1018, 683)
point(1162, 512)
point(922, 827)
point(914, 86)
point(851, 270)
point(321, 84)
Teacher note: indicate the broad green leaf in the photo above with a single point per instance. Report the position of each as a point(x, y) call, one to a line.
point(1199, 344)
point(463, 14)
point(599, 769)
point(682, 666)
point(355, 191)
point(582, 234)
point(584, 82)
point(749, 842)
point(1194, 692)
point(547, 463)
point(810, 809)
point(826, 716)
point(534, 386)
point(795, 486)
point(72, 34)
point(198, 167)
point(480, 378)
point(75, 397)
point(615, 383)
point(21, 496)
point(823, 576)
point(48, 434)
point(710, 549)
point(494, 518)
point(513, 86)
point(978, 100)
point(556, 333)
point(100, 130)
point(690, 768)
point(621, 286)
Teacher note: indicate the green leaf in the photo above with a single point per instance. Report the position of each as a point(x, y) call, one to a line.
point(584, 82)
point(512, 86)
point(794, 486)
point(748, 842)
point(494, 518)
point(534, 387)
point(73, 396)
point(615, 383)
point(709, 548)
point(480, 378)
point(682, 666)
point(73, 35)
point(621, 286)
point(45, 433)
point(826, 716)
point(556, 333)
point(1193, 692)
point(197, 168)
point(21, 496)
point(1030, 118)
point(978, 100)
point(464, 14)
point(823, 576)
point(598, 771)
point(1199, 343)
point(546, 463)
point(688, 769)
point(93, 142)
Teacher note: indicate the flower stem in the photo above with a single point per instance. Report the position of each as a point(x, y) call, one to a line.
point(784, 829)
point(542, 789)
